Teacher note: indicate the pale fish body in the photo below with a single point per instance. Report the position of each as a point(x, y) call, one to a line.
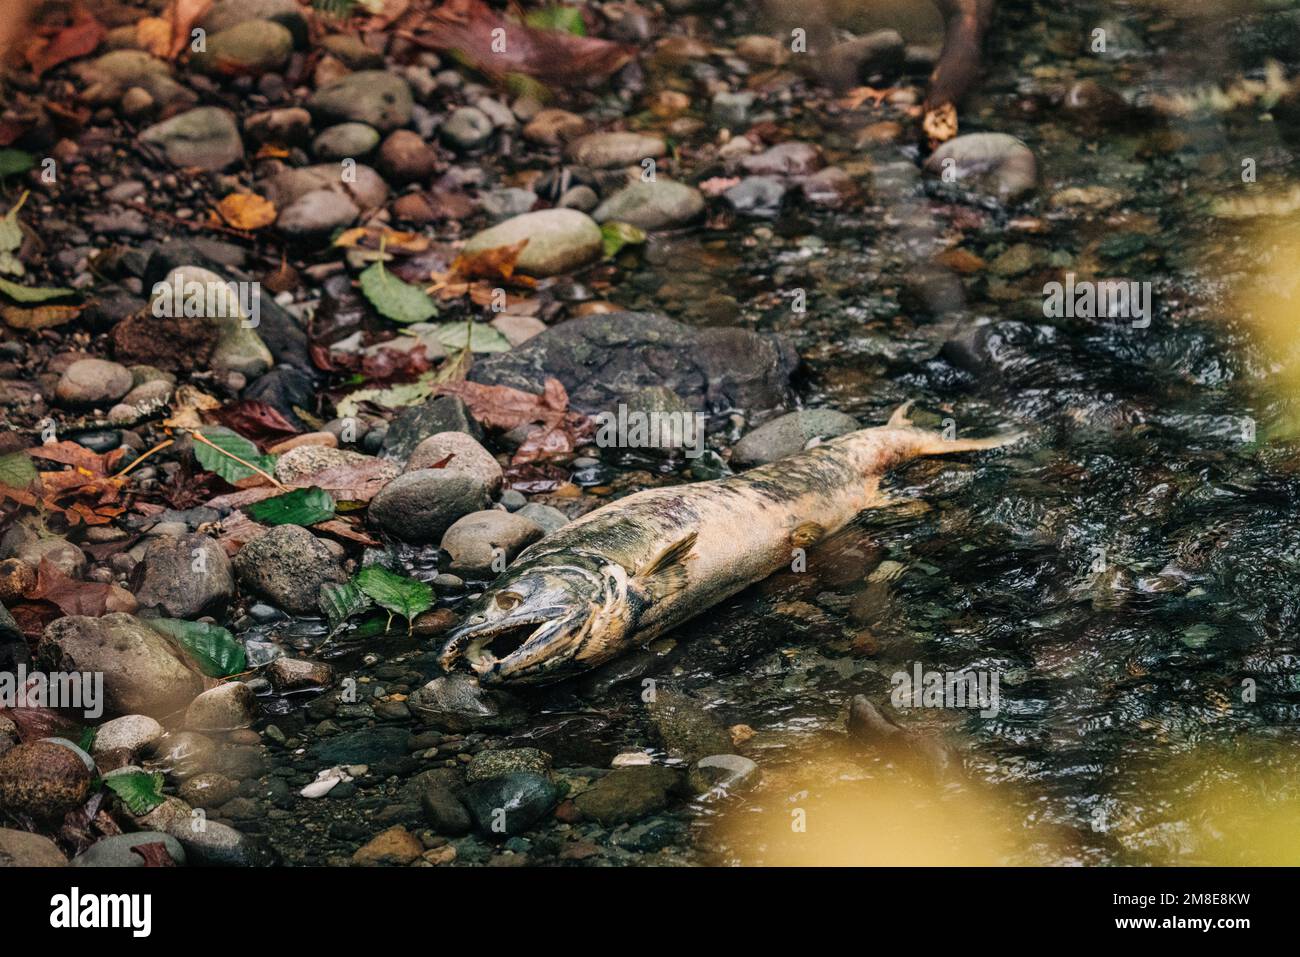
point(631, 570)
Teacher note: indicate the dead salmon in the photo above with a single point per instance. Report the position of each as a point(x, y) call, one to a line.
point(629, 571)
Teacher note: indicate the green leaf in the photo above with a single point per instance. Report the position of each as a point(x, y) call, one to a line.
point(13, 162)
point(482, 338)
point(33, 293)
point(395, 299)
point(341, 602)
point(302, 506)
point(139, 791)
point(213, 649)
point(224, 465)
point(394, 397)
point(614, 236)
point(87, 740)
point(17, 470)
point(566, 19)
point(396, 593)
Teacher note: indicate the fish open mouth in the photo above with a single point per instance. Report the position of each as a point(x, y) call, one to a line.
point(483, 645)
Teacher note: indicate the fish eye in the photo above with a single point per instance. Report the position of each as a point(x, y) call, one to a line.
point(507, 600)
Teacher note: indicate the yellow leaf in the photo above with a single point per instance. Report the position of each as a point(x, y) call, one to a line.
point(155, 35)
point(247, 211)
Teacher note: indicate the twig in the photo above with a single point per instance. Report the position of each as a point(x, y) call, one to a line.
point(200, 437)
point(157, 448)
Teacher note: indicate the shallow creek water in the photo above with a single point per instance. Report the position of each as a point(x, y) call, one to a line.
point(1127, 571)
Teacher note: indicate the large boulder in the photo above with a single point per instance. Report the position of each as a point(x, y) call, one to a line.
point(142, 673)
point(608, 359)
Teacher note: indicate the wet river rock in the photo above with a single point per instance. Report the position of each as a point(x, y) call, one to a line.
point(790, 434)
point(628, 794)
point(186, 577)
point(42, 779)
point(420, 506)
point(607, 359)
point(287, 566)
point(142, 674)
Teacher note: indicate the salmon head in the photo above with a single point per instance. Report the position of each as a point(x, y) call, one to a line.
point(542, 624)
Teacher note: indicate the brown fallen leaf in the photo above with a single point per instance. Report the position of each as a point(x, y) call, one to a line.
point(246, 211)
point(498, 46)
point(168, 35)
point(392, 240)
point(558, 430)
point(79, 38)
point(79, 598)
point(36, 318)
point(496, 263)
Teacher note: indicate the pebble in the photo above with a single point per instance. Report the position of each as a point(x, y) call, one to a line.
point(223, 708)
point(629, 794)
point(252, 48)
point(393, 847)
point(42, 779)
point(559, 241)
point(610, 150)
point(89, 382)
point(374, 97)
point(554, 127)
point(420, 506)
point(122, 740)
point(206, 138)
point(993, 163)
point(466, 456)
point(790, 434)
point(406, 158)
point(116, 850)
point(295, 674)
point(185, 577)
point(482, 543)
point(468, 128)
point(25, 849)
point(510, 805)
point(487, 765)
point(345, 141)
point(652, 204)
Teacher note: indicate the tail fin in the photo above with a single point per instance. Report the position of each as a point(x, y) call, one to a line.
point(932, 443)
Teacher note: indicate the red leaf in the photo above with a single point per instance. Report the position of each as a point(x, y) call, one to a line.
point(80, 38)
point(79, 598)
point(154, 854)
point(467, 27)
point(256, 420)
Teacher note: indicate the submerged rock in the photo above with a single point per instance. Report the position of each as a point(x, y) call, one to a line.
point(654, 204)
point(511, 804)
point(607, 359)
point(458, 703)
point(790, 434)
point(996, 164)
point(629, 794)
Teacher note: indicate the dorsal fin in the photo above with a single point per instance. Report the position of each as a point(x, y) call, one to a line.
point(666, 572)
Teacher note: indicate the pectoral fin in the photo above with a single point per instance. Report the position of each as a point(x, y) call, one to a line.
point(666, 572)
